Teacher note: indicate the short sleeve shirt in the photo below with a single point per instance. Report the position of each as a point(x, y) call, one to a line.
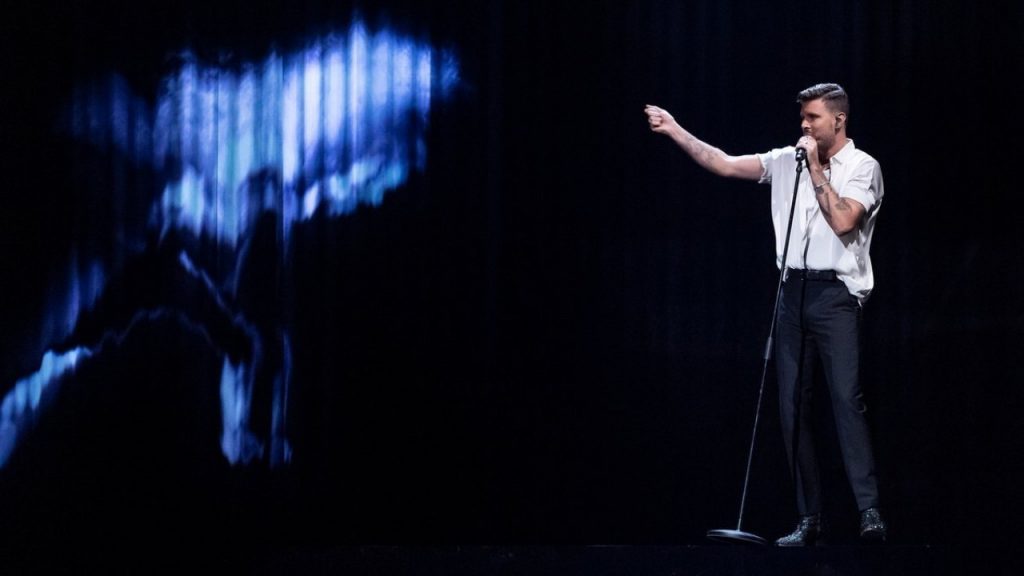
point(813, 244)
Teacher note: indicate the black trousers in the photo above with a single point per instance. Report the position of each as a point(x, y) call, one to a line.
point(819, 321)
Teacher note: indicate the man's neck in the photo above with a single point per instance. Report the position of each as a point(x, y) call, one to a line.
point(838, 145)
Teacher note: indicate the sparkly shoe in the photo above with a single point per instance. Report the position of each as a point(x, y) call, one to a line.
point(807, 532)
point(872, 526)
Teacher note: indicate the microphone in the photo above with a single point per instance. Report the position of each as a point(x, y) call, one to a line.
point(801, 154)
point(801, 158)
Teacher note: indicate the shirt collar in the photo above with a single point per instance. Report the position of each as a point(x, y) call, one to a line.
point(844, 153)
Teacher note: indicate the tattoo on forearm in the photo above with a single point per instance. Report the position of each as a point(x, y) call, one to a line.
point(701, 152)
point(840, 203)
point(835, 208)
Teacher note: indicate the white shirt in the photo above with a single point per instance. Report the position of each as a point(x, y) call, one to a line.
point(813, 244)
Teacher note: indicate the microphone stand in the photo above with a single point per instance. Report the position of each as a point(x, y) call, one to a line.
point(738, 535)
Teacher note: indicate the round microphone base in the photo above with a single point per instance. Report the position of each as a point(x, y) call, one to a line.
point(736, 537)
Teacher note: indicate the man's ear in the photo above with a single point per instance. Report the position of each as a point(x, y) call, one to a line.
point(840, 120)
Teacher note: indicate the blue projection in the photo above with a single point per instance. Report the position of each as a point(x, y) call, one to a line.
point(242, 152)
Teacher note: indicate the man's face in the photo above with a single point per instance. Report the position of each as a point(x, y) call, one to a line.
point(818, 122)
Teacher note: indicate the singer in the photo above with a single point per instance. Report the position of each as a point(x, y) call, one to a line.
point(827, 281)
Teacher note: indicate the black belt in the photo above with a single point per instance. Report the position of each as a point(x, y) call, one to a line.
point(812, 275)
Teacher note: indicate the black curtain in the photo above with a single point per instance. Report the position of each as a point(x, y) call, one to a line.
point(553, 332)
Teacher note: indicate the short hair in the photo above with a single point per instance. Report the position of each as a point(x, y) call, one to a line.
point(833, 95)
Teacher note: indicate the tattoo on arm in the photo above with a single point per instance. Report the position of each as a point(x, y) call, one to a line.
point(840, 203)
point(837, 211)
point(701, 152)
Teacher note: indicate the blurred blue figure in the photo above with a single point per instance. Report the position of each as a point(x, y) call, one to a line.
point(243, 153)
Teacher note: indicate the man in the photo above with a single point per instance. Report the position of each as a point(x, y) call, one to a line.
point(827, 280)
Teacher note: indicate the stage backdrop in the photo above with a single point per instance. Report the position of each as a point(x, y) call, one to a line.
point(417, 272)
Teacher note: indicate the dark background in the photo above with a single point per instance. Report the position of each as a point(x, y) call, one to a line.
point(554, 333)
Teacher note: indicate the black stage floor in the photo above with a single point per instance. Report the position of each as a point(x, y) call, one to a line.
point(712, 559)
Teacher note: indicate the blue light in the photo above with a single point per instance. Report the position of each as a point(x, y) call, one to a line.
point(22, 404)
point(337, 125)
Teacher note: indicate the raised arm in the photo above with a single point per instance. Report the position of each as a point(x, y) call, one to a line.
point(713, 159)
